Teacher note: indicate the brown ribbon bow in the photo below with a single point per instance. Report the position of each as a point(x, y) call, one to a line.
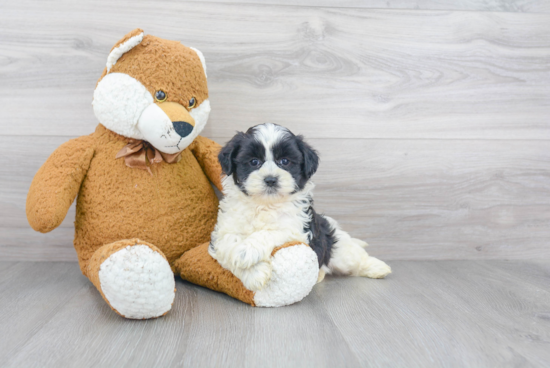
point(136, 154)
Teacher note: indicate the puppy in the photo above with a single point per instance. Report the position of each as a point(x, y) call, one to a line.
point(268, 202)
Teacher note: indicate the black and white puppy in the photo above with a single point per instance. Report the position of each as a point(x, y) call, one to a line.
point(268, 202)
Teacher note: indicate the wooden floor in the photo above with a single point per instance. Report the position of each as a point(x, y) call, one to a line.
point(427, 314)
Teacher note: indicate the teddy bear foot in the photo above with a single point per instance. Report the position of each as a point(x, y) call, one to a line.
point(295, 272)
point(134, 278)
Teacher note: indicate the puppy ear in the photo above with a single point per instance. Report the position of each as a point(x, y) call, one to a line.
point(228, 153)
point(311, 158)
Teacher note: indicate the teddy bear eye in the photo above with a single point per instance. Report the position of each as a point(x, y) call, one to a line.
point(192, 102)
point(160, 96)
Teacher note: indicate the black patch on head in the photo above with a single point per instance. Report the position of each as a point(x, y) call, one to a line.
point(311, 157)
point(304, 160)
point(236, 156)
point(228, 153)
point(250, 149)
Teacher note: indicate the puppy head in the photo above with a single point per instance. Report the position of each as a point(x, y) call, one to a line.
point(269, 162)
point(153, 89)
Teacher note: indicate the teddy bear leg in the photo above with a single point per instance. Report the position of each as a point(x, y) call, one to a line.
point(295, 272)
point(134, 278)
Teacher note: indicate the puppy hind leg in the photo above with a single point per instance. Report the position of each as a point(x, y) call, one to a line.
point(349, 258)
point(374, 268)
point(322, 272)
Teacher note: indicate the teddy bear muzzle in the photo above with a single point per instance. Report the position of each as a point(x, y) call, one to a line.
point(168, 126)
point(183, 128)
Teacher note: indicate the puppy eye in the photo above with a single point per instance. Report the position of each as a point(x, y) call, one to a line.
point(160, 96)
point(284, 161)
point(192, 102)
point(254, 162)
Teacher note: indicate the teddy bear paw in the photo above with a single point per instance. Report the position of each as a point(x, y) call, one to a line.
point(295, 271)
point(138, 282)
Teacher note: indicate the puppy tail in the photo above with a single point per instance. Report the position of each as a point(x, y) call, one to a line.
point(359, 242)
point(342, 235)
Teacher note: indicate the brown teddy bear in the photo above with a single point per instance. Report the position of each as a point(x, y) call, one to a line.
point(143, 185)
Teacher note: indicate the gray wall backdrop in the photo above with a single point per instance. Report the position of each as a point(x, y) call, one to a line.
point(432, 117)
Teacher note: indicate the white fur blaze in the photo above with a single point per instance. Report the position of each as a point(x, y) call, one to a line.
point(138, 282)
point(295, 272)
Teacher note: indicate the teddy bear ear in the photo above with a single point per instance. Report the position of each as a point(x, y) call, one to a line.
point(127, 43)
point(201, 56)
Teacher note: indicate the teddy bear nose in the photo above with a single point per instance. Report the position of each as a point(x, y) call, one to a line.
point(182, 128)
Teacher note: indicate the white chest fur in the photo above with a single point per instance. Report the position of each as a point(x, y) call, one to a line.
point(240, 216)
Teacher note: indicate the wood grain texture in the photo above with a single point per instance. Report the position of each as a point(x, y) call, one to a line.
point(439, 308)
point(432, 125)
point(522, 6)
point(24, 244)
point(330, 72)
point(31, 294)
point(426, 314)
point(410, 199)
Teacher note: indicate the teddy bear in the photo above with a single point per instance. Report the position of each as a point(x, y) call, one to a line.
point(143, 182)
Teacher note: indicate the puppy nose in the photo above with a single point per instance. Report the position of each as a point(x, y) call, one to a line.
point(182, 128)
point(270, 181)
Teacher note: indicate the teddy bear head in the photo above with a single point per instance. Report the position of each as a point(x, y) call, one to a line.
point(153, 90)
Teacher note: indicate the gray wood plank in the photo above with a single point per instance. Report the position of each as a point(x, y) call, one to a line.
point(203, 329)
point(4, 265)
point(537, 274)
point(522, 6)
point(23, 156)
point(410, 199)
point(30, 295)
point(426, 314)
point(439, 199)
point(328, 72)
point(24, 244)
point(435, 314)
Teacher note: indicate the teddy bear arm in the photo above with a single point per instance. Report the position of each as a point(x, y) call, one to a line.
point(57, 183)
point(206, 152)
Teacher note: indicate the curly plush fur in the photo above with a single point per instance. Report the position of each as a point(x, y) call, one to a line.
point(133, 225)
point(268, 201)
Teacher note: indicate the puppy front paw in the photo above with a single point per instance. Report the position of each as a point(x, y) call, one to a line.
point(247, 256)
point(255, 277)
